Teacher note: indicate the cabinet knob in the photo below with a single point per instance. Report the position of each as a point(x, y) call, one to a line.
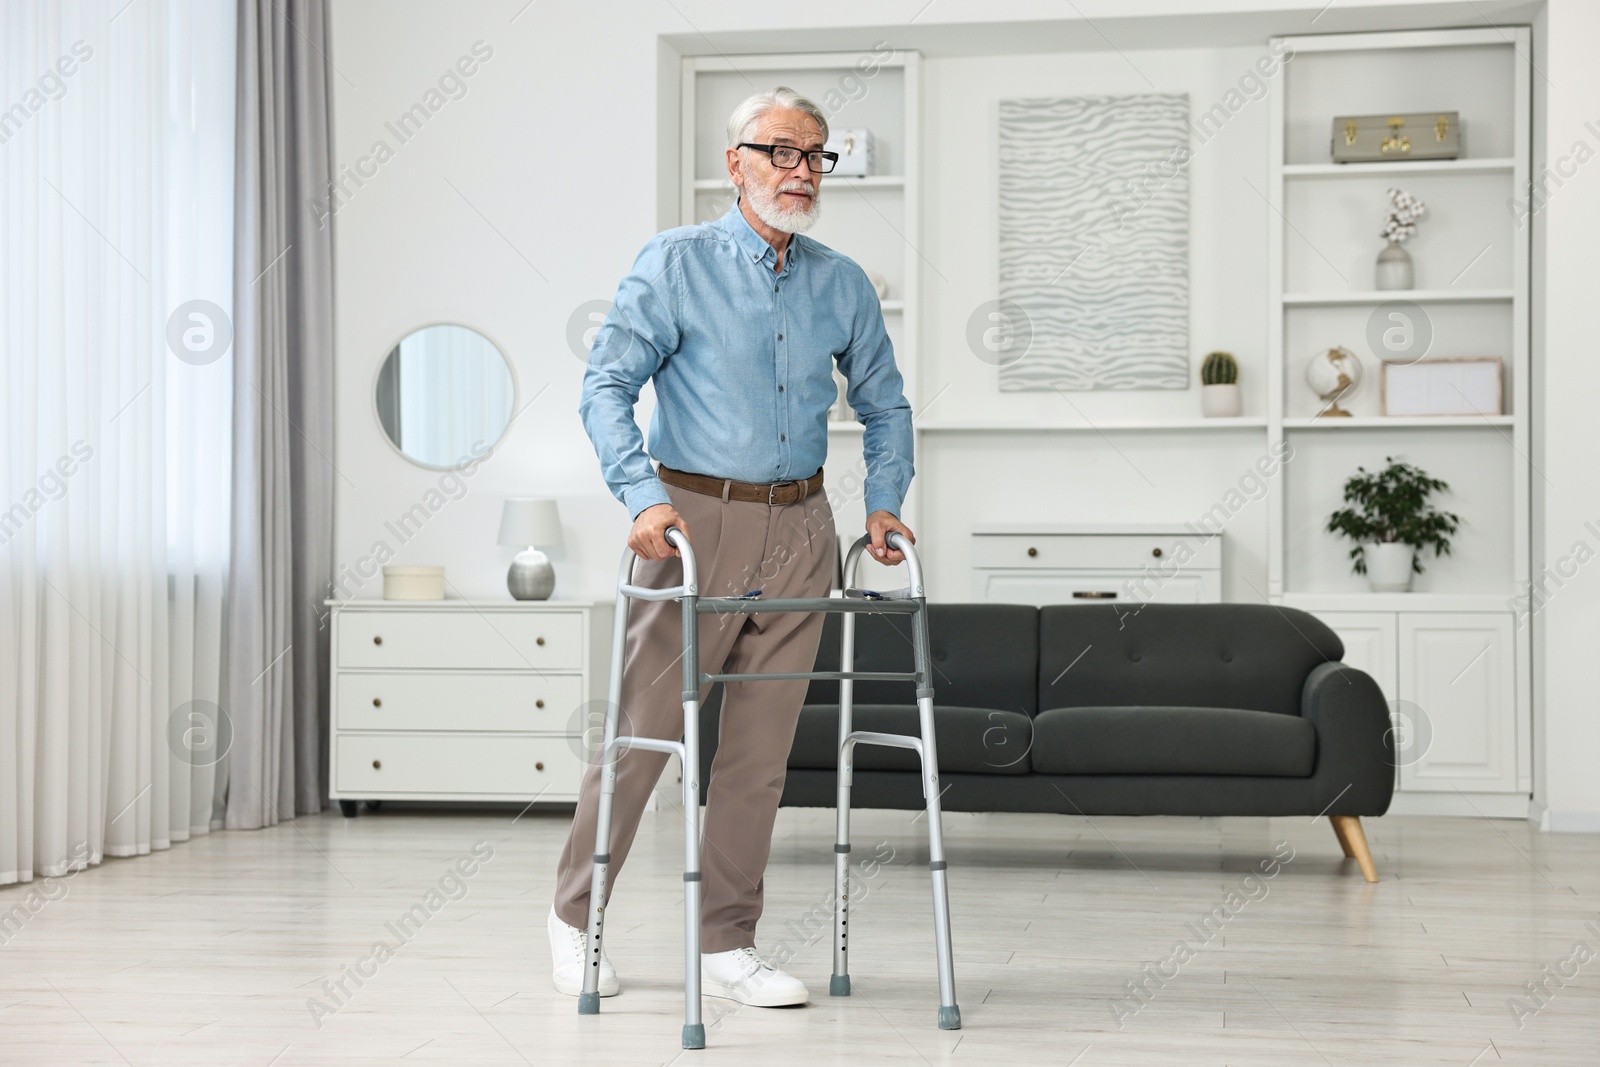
point(538, 640)
point(1156, 552)
point(1033, 551)
point(377, 702)
point(377, 765)
point(377, 640)
point(538, 766)
point(539, 703)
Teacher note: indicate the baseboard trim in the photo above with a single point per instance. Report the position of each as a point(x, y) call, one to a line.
point(1488, 805)
point(1571, 822)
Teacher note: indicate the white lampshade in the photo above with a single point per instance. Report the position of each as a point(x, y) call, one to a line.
point(526, 521)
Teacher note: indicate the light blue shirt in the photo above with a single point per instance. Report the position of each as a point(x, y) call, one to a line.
point(742, 357)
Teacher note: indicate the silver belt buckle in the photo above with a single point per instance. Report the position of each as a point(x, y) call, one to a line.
point(771, 491)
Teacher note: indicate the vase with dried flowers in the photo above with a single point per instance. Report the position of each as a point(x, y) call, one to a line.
point(1394, 262)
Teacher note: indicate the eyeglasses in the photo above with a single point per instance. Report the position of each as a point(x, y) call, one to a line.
point(786, 158)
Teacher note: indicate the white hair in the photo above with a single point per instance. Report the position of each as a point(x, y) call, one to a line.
point(747, 114)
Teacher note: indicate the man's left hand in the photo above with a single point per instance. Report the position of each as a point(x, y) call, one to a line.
point(879, 525)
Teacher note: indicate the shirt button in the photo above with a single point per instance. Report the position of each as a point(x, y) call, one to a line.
point(783, 437)
point(780, 337)
point(780, 388)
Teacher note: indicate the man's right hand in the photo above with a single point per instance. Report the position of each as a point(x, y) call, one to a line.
point(649, 534)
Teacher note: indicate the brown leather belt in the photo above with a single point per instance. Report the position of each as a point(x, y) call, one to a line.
point(772, 493)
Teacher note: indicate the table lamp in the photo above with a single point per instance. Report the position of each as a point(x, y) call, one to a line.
point(530, 523)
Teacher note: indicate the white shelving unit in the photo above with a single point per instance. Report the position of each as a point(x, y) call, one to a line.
point(1451, 656)
point(875, 220)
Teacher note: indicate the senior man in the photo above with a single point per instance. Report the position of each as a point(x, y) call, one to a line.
point(739, 323)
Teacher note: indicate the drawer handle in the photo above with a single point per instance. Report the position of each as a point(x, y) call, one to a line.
point(1156, 552)
point(1033, 551)
point(1094, 594)
point(539, 703)
point(538, 766)
point(538, 640)
point(377, 765)
point(377, 640)
point(376, 702)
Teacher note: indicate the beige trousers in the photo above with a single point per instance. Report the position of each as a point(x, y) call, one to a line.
point(787, 550)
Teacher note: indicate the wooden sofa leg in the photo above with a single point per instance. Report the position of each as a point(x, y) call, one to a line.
point(1348, 827)
point(1338, 831)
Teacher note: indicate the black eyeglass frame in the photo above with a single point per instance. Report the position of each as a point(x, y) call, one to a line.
point(831, 157)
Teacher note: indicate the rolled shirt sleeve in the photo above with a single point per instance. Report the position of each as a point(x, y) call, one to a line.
point(876, 392)
point(641, 331)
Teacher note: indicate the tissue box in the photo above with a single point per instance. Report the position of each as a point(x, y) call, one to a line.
point(413, 583)
point(855, 153)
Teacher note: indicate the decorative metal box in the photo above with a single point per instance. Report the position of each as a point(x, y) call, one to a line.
point(1385, 138)
point(855, 153)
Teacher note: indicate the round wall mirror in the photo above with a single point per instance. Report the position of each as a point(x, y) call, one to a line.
point(444, 394)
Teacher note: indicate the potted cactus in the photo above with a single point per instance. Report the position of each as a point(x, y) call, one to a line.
point(1391, 523)
point(1219, 385)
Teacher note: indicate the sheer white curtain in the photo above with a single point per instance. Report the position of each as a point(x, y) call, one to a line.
point(116, 199)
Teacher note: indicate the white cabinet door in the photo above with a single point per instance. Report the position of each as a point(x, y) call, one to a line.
point(1458, 679)
point(1369, 644)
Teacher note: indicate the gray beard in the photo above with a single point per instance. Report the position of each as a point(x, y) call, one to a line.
point(768, 211)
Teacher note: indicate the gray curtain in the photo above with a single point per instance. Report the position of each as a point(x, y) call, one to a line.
point(282, 542)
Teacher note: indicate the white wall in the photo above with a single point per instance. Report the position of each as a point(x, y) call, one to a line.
point(1567, 486)
point(532, 194)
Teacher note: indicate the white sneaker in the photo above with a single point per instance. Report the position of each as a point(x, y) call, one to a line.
point(569, 952)
point(742, 975)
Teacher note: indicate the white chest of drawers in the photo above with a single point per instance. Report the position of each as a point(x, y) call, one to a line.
point(463, 700)
point(1095, 563)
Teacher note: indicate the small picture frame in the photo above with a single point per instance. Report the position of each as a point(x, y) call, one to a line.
point(1469, 385)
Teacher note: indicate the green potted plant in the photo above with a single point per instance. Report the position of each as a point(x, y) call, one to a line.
point(1391, 522)
point(1219, 385)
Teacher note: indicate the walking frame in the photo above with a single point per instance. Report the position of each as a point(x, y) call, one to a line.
point(912, 601)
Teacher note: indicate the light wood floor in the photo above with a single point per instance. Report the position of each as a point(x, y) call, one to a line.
point(209, 953)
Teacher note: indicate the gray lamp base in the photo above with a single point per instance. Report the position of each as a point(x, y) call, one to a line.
point(531, 577)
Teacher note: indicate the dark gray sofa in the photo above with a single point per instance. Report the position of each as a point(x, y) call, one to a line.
point(1170, 709)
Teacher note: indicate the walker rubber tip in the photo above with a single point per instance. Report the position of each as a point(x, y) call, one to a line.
point(949, 1018)
point(694, 1035)
point(589, 1004)
point(839, 985)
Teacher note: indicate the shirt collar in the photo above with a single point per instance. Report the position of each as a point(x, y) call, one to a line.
point(752, 243)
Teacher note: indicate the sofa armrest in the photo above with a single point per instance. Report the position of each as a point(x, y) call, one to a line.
point(1355, 742)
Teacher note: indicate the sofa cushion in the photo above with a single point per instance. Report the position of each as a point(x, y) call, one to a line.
point(973, 740)
point(983, 656)
point(1172, 740)
point(1254, 656)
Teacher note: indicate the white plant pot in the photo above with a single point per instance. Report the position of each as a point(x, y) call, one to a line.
point(1219, 401)
point(1389, 566)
